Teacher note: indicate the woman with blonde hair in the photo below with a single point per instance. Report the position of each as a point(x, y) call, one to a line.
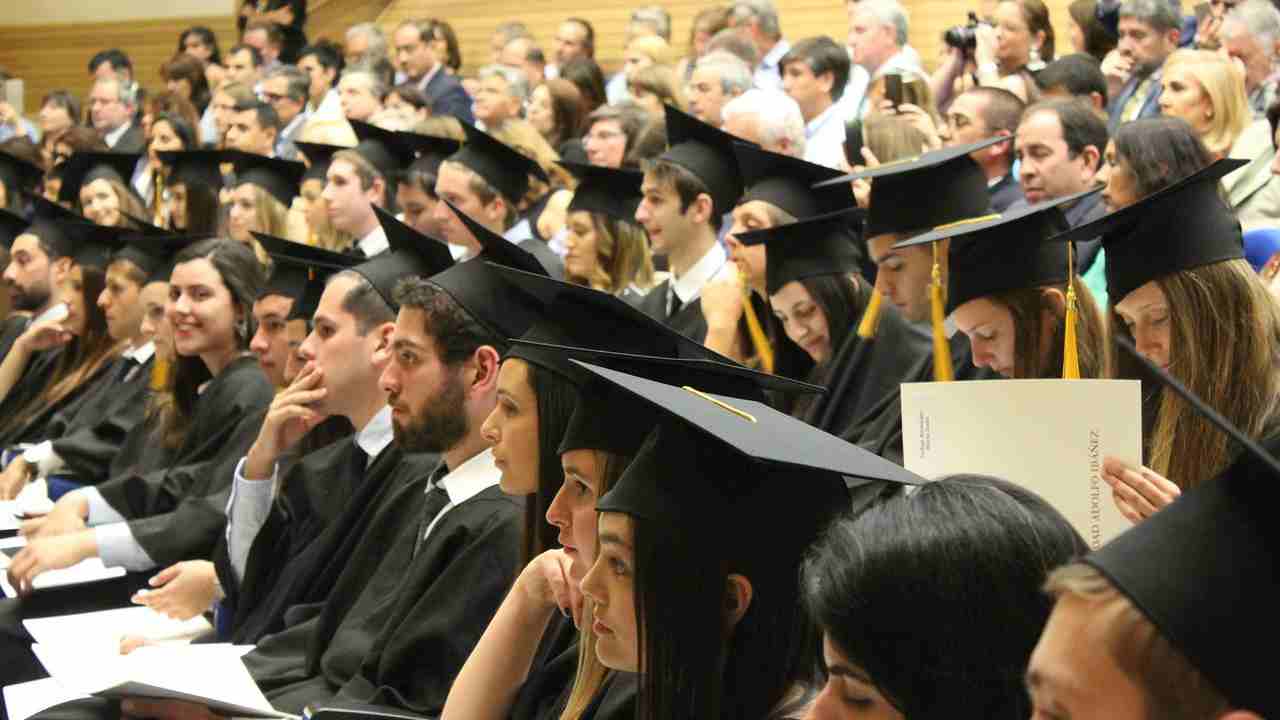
point(605, 248)
point(544, 205)
point(260, 201)
point(1181, 292)
point(643, 52)
point(706, 24)
point(654, 86)
point(1208, 91)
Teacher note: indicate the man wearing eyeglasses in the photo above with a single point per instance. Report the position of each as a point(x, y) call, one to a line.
point(112, 103)
point(1149, 32)
point(1250, 35)
point(285, 90)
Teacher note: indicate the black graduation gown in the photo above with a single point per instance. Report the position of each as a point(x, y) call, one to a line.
point(13, 326)
point(90, 432)
point(687, 321)
point(313, 525)
point(397, 626)
point(546, 691)
point(35, 376)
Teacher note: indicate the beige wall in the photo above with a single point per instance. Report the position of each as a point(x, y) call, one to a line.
point(42, 12)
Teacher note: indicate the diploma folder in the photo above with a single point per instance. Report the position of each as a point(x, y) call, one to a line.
point(1049, 436)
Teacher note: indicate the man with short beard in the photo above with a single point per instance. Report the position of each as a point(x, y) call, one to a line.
point(35, 267)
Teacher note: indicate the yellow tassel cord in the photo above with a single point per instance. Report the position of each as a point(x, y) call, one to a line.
point(1070, 351)
point(161, 374)
point(157, 201)
point(759, 340)
point(871, 316)
point(942, 370)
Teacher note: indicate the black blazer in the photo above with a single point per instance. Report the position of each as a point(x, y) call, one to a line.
point(133, 141)
point(447, 97)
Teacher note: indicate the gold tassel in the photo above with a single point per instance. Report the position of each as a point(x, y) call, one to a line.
point(759, 340)
point(161, 374)
point(942, 370)
point(871, 316)
point(157, 201)
point(1070, 350)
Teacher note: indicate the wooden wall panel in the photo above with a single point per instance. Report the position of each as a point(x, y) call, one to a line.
point(52, 57)
point(331, 18)
point(473, 21)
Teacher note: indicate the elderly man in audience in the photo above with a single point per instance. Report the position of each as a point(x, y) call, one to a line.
point(718, 77)
point(365, 43)
point(575, 38)
point(286, 90)
point(757, 22)
point(502, 95)
point(768, 118)
point(524, 54)
point(1149, 31)
point(878, 41)
point(1250, 34)
point(112, 104)
point(418, 65)
point(361, 92)
point(645, 20)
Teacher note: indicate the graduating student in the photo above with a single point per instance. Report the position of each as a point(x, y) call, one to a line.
point(395, 629)
point(280, 514)
point(486, 179)
point(1168, 619)
point(96, 185)
point(11, 227)
point(156, 515)
point(1015, 294)
point(17, 178)
point(687, 191)
point(817, 297)
point(688, 591)
point(193, 179)
point(605, 248)
point(523, 666)
point(54, 362)
point(320, 231)
point(81, 439)
point(935, 623)
point(261, 195)
point(909, 198)
point(1180, 289)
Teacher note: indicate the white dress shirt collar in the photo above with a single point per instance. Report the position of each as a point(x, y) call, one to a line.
point(377, 434)
point(375, 243)
point(688, 287)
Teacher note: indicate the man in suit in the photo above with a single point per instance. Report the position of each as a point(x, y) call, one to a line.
point(984, 112)
point(112, 103)
point(1149, 32)
point(417, 64)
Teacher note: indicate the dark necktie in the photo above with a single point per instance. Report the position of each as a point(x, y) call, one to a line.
point(359, 461)
point(673, 303)
point(437, 499)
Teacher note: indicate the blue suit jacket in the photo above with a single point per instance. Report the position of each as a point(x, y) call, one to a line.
point(1150, 108)
point(448, 98)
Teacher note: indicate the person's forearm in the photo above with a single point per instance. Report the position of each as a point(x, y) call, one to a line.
point(15, 363)
point(487, 685)
point(723, 340)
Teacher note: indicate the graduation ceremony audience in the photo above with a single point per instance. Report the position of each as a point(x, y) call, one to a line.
point(518, 383)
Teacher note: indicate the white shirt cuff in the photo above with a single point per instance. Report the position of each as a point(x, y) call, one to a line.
point(247, 511)
point(43, 457)
point(118, 548)
point(100, 511)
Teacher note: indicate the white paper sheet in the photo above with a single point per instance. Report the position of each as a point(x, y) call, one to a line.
point(85, 571)
point(23, 700)
point(102, 631)
point(211, 675)
point(1047, 435)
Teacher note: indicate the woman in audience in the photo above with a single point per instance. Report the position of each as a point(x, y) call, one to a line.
point(169, 133)
point(612, 131)
point(544, 204)
point(1205, 89)
point(587, 76)
point(706, 24)
point(201, 43)
point(605, 248)
point(931, 623)
point(104, 197)
point(557, 111)
point(260, 202)
point(444, 42)
point(1088, 34)
point(192, 181)
point(184, 76)
point(653, 86)
point(643, 52)
point(59, 110)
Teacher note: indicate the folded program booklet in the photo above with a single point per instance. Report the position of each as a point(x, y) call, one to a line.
point(1049, 436)
point(210, 675)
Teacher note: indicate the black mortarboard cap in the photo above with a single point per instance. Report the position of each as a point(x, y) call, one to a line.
point(1205, 570)
point(1012, 251)
point(297, 265)
point(432, 149)
point(608, 418)
point(47, 218)
point(200, 168)
point(579, 316)
point(411, 253)
point(707, 152)
point(384, 149)
point(145, 227)
point(715, 462)
point(820, 245)
point(788, 182)
point(318, 156)
point(91, 244)
point(614, 192)
point(475, 285)
point(278, 177)
point(11, 226)
point(502, 166)
point(18, 174)
point(1184, 226)
point(926, 191)
point(83, 168)
point(154, 254)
